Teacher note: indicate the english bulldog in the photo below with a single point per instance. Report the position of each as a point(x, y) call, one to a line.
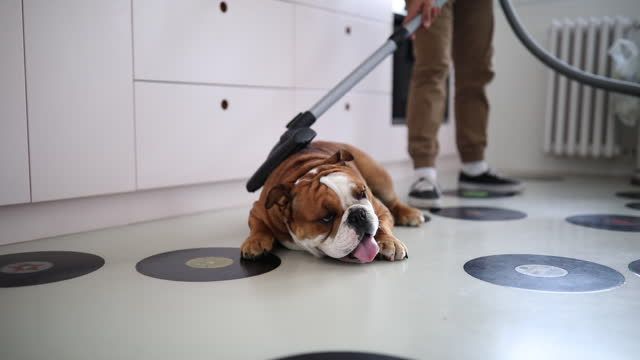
point(333, 200)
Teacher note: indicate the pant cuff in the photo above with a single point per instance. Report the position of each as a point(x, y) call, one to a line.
point(471, 155)
point(424, 162)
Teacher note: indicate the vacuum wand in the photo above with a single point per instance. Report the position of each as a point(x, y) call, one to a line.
point(366, 67)
point(299, 134)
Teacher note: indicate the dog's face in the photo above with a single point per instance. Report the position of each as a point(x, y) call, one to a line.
point(328, 211)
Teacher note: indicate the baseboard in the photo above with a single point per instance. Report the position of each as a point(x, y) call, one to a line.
point(39, 220)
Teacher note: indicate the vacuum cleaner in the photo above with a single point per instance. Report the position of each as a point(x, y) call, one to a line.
point(299, 133)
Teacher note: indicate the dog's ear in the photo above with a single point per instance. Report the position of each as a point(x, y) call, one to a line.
point(279, 194)
point(341, 155)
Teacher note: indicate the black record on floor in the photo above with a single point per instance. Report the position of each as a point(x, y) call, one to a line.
point(544, 273)
point(341, 356)
point(634, 205)
point(607, 222)
point(205, 264)
point(477, 194)
point(43, 267)
point(532, 177)
point(635, 267)
point(629, 194)
point(479, 213)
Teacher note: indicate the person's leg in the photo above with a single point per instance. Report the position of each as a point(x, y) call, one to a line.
point(426, 105)
point(427, 89)
point(472, 52)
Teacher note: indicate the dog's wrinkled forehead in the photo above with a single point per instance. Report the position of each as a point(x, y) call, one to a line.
point(348, 189)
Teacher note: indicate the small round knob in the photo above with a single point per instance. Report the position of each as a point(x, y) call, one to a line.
point(224, 104)
point(347, 30)
point(223, 6)
point(347, 106)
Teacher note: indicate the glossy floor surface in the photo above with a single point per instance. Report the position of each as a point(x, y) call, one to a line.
point(426, 307)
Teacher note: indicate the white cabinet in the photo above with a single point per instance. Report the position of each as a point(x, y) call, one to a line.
point(377, 136)
point(80, 97)
point(190, 134)
point(338, 123)
point(328, 46)
point(14, 155)
point(360, 119)
point(373, 9)
point(242, 42)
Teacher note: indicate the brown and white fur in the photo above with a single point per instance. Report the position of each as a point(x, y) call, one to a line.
point(326, 199)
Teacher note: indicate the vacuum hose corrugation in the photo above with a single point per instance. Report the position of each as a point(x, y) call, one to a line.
point(601, 82)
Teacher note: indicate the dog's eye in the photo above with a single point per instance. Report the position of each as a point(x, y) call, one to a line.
point(328, 219)
point(360, 193)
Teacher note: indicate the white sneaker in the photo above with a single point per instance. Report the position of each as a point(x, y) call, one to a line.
point(424, 194)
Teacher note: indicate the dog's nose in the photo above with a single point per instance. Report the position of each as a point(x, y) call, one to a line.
point(357, 217)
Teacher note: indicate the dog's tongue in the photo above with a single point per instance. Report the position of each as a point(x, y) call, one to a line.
point(367, 249)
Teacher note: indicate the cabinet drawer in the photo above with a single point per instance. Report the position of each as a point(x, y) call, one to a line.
point(80, 97)
point(378, 137)
point(340, 123)
point(328, 46)
point(363, 120)
point(190, 134)
point(374, 9)
point(244, 42)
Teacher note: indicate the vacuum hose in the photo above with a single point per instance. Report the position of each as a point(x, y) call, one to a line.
point(601, 82)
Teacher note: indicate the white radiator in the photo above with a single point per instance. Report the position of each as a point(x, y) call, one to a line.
point(577, 120)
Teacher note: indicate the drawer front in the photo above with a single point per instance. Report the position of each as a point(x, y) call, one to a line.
point(375, 9)
point(338, 124)
point(80, 97)
point(14, 153)
point(378, 137)
point(363, 120)
point(189, 134)
point(328, 46)
point(244, 42)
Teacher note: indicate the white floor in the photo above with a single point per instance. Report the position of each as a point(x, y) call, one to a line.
point(424, 308)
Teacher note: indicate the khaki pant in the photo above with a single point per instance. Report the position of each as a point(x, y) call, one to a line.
point(464, 32)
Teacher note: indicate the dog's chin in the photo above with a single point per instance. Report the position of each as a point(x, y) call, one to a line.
point(365, 252)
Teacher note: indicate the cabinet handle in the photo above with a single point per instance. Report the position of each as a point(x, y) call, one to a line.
point(347, 30)
point(224, 104)
point(223, 6)
point(347, 106)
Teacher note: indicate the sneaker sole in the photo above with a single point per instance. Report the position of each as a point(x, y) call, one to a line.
point(462, 185)
point(424, 203)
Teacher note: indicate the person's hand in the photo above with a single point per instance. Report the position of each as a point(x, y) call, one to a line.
point(426, 8)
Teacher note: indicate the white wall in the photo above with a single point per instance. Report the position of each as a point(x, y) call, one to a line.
point(517, 94)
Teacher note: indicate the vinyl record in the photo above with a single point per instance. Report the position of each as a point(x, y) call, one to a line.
point(477, 194)
point(43, 267)
point(634, 205)
point(341, 356)
point(479, 213)
point(544, 273)
point(607, 222)
point(635, 267)
point(205, 264)
point(534, 177)
point(629, 194)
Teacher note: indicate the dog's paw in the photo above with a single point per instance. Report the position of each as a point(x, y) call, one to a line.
point(255, 247)
point(408, 216)
point(392, 249)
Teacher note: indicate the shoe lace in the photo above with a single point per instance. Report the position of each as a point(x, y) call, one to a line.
point(423, 184)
